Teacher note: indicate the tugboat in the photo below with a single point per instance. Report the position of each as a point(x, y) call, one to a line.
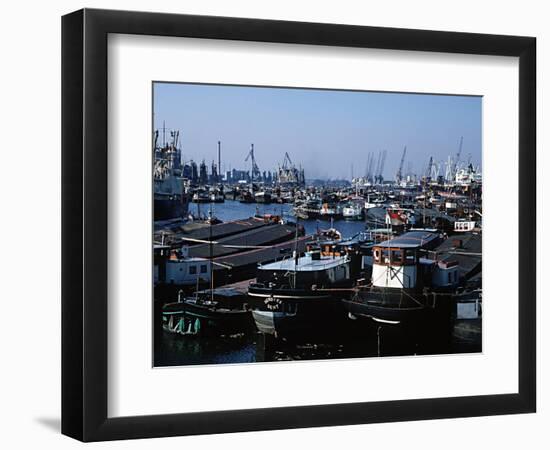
point(406, 285)
point(299, 296)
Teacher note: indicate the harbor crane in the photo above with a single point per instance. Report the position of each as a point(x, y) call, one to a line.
point(457, 159)
point(255, 172)
point(377, 168)
point(175, 135)
point(156, 139)
point(380, 168)
point(429, 169)
point(399, 174)
point(370, 162)
point(287, 162)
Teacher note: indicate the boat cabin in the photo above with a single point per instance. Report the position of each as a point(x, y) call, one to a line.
point(302, 273)
point(400, 263)
point(176, 267)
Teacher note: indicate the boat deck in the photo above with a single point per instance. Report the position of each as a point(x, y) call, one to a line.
point(174, 231)
point(263, 236)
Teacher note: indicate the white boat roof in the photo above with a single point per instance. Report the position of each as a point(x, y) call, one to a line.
point(305, 264)
point(410, 239)
point(187, 260)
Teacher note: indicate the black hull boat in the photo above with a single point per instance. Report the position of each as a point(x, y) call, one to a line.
point(406, 287)
point(262, 197)
point(293, 314)
point(169, 207)
point(392, 306)
point(224, 312)
point(299, 298)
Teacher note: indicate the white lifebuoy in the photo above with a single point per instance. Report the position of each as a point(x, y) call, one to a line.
point(377, 254)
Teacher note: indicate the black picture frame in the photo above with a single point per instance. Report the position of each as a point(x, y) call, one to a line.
point(84, 224)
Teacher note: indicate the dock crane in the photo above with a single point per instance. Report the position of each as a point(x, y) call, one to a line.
point(255, 172)
point(155, 139)
point(377, 168)
point(429, 169)
point(380, 168)
point(399, 174)
point(370, 163)
point(457, 159)
point(287, 162)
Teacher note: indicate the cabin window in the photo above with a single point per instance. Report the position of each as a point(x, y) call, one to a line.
point(376, 254)
point(203, 268)
point(450, 277)
point(409, 256)
point(192, 270)
point(397, 256)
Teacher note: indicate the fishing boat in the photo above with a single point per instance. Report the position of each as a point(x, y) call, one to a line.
point(352, 211)
point(407, 285)
point(201, 197)
point(329, 211)
point(246, 197)
point(262, 197)
point(400, 217)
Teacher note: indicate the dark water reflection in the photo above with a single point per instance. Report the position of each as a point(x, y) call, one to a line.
point(370, 340)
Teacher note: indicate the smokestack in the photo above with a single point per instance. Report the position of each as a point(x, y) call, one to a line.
point(219, 159)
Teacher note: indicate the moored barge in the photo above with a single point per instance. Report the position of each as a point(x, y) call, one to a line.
point(406, 286)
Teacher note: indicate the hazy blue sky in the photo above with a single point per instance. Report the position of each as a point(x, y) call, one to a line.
point(326, 131)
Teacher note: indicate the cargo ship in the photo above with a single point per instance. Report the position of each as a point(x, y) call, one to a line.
point(169, 192)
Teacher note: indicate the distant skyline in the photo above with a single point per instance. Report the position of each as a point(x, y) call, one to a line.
point(326, 131)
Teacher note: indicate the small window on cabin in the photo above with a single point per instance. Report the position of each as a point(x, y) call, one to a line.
point(409, 255)
point(203, 268)
point(450, 276)
point(397, 255)
point(192, 270)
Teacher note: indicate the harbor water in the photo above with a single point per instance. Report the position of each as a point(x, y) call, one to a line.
point(234, 210)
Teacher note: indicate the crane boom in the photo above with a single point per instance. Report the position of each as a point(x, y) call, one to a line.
point(457, 160)
point(429, 169)
point(399, 175)
point(381, 168)
point(287, 162)
point(255, 170)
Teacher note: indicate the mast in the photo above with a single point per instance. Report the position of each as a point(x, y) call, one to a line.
point(211, 255)
point(219, 160)
point(295, 250)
